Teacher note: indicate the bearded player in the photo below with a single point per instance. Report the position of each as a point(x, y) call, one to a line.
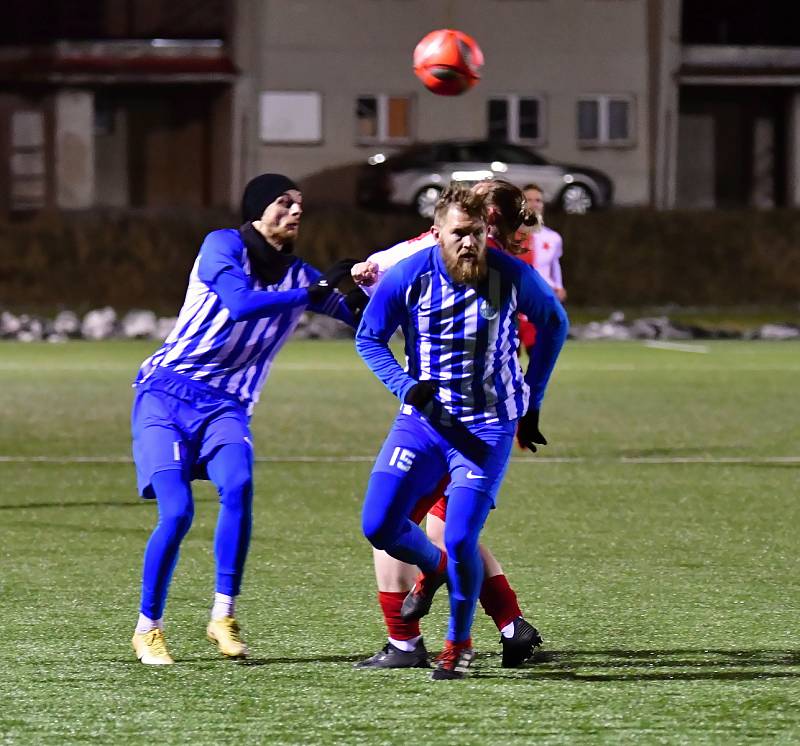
point(464, 397)
point(405, 646)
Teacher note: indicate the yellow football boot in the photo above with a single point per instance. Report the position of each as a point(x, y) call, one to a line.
point(151, 648)
point(225, 634)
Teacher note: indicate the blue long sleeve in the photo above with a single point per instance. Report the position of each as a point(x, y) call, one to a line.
point(383, 314)
point(538, 302)
point(244, 303)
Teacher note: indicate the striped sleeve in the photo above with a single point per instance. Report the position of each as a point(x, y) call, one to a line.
point(384, 313)
point(538, 302)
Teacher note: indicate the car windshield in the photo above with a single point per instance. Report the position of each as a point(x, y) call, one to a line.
point(513, 154)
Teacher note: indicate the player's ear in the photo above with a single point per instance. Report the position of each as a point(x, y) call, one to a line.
point(435, 232)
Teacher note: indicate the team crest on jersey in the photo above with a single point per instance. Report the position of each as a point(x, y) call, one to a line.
point(487, 310)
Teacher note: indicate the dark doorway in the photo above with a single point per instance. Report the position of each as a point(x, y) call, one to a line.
point(162, 147)
point(732, 146)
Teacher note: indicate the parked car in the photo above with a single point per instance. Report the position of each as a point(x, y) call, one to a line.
point(416, 176)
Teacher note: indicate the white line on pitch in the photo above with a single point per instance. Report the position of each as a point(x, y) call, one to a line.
point(675, 346)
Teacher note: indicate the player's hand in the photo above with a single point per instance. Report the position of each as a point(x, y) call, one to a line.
point(561, 294)
point(420, 394)
point(327, 283)
point(356, 300)
point(364, 273)
point(528, 432)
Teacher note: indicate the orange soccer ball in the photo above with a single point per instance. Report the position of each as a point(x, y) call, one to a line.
point(448, 62)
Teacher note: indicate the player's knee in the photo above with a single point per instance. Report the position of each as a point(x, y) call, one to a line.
point(461, 545)
point(461, 539)
point(377, 523)
point(378, 531)
point(175, 504)
point(178, 518)
point(236, 490)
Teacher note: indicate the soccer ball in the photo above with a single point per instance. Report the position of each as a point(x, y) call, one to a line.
point(448, 62)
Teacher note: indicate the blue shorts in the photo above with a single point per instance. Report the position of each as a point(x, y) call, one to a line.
point(178, 423)
point(423, 451)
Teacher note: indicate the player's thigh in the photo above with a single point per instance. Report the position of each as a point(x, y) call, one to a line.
point(485, 474)
point(413, 455)
point(228, 426)
point(159, 444)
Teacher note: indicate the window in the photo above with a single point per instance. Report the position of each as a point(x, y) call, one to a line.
point(605, 120)
point(383, 118)
point(291, 117)
point(513, 118)
point(27, 163)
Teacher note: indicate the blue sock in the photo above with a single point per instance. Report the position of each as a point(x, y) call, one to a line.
point(385, 522)
point(175, 513)
point(466, 513)
point(231, 470)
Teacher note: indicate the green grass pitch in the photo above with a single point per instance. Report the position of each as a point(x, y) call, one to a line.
point(655, 543)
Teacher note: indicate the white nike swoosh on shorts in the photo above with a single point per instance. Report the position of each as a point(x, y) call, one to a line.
point(471, 475)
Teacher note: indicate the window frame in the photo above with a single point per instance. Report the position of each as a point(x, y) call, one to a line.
point(603, 139)
point(382, 137)
point(512, 124)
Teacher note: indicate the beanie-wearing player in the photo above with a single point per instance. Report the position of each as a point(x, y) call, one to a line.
point(405, 647)
point(195, 395)
point(463, 393)
point(543, 250)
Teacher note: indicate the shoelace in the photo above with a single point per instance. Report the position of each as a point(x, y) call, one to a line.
point(156, 642)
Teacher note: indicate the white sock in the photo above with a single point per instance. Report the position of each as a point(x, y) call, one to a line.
point(508, 630)
point(223, 606)
point(146, 624)
point(406, 645)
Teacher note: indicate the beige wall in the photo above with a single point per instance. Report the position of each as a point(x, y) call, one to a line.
point(558, 48)
point(74, 148)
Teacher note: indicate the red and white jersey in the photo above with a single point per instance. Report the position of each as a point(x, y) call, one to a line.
point(546, 247)
point(387, 258)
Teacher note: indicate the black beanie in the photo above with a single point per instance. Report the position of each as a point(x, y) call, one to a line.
point(263, 191)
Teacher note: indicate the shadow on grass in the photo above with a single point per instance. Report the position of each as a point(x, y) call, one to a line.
point(593, 666)
point(615, 665)
point(133, 503)
point(213, 659)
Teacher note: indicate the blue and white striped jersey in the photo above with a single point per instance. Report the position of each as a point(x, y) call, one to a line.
point(463, 337)
point(230, 351)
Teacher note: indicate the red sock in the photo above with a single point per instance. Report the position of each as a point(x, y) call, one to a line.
point(450, 645)
point(398, 629)
point(442, 563)
point(499, 600)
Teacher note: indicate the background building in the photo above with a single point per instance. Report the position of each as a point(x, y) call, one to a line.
point(169, 103)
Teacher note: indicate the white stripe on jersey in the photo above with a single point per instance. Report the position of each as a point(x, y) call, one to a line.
point(234, 356)
point(501, 382)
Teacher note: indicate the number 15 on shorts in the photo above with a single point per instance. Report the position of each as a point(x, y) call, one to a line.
point(402, 458)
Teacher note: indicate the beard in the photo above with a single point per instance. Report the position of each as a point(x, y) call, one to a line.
point(466, 270)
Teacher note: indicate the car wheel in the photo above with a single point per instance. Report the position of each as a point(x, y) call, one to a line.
point(426, 200)
point(576, 199)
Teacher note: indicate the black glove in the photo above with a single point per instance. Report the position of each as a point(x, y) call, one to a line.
point(356, 300)
point(420, 394)
point(326, 284)
point(528, 431)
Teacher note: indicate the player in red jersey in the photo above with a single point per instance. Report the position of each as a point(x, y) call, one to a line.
point(405, 597)
point(543, 250)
